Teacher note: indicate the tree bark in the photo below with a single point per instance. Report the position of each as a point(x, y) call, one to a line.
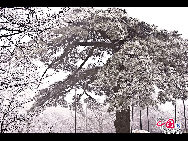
point(175, 112)
point(132, 120)
point(184, 115)
point(140, 119)
point(75, 112)
point(122, 122)
point(148, 117)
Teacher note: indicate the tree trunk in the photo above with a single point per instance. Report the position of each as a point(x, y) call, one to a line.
point(75, 113)
point(122, 122)
point(86, 119)
point(148, 117)
point(1, 127)
point(175, 112)
point(132, 120)
point(2, 123)
point(140, 119)
point(100, 127)
point(184, 115)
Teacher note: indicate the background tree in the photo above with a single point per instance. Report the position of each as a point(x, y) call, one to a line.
point(14, 80)
point(17, 70)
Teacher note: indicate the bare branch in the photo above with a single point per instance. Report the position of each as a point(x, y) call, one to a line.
point(9, 35)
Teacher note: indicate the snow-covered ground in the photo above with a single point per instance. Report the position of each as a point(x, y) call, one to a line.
point(140, 131)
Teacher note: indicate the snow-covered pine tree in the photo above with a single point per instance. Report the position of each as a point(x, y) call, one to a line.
point(140, 57)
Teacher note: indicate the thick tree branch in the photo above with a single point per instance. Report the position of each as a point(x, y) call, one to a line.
point(72, 79)
point(113, 46)
point(12, 30)
point(56, 60)
point(88, 95)
point(83, 63)
point(4, 46)
point(7, 35)
point(97, 44)
point(62, 88)
point(66, 52)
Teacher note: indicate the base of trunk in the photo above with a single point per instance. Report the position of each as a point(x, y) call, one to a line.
point(122, 122)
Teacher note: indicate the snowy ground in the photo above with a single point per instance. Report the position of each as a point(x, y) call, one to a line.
point(140, 131)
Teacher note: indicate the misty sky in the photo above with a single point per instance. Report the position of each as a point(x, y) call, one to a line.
point(169, 18)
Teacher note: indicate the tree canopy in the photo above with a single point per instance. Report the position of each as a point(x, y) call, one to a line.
point(141, 56)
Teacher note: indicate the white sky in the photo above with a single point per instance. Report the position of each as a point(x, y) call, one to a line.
point(169, 18)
